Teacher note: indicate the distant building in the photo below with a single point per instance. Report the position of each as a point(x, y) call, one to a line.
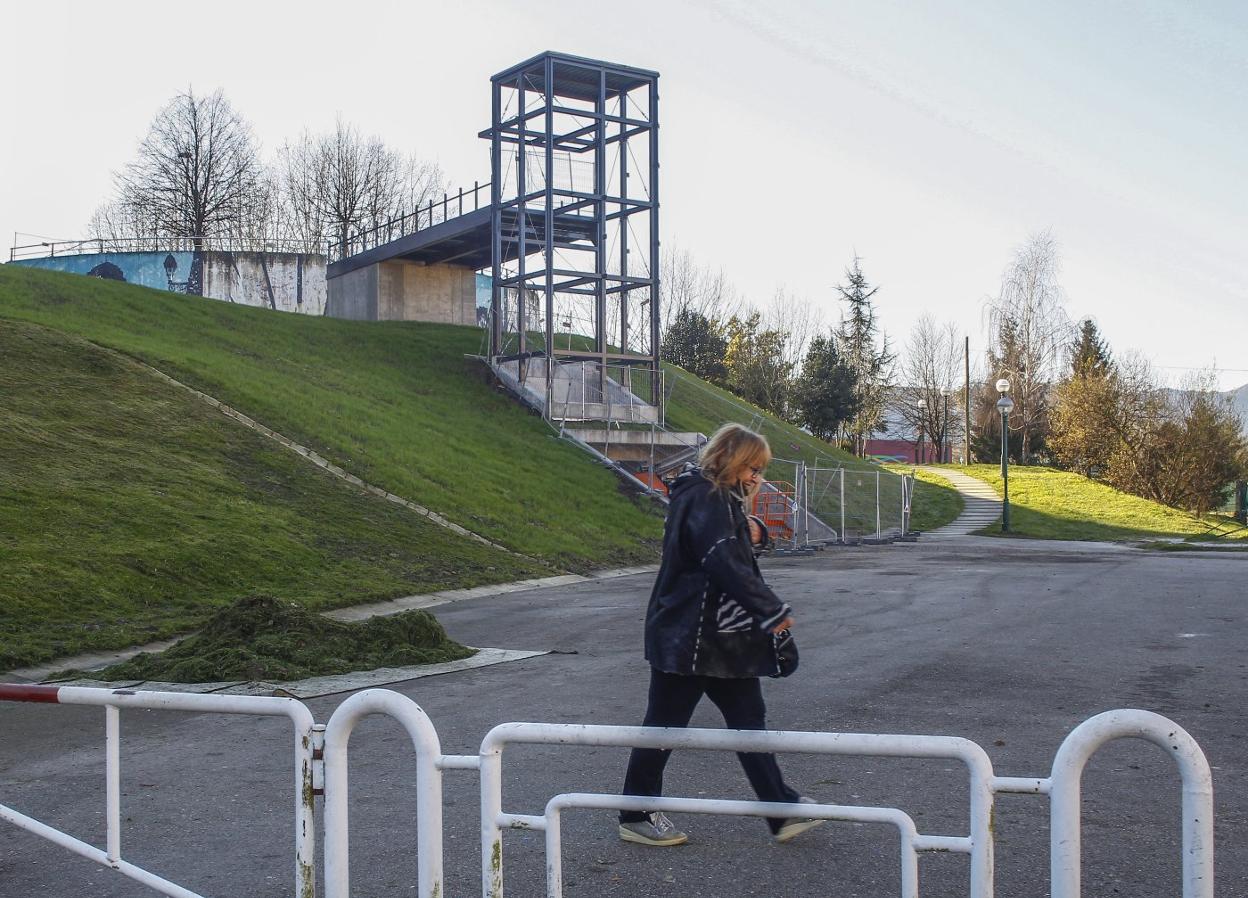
point(898, 440)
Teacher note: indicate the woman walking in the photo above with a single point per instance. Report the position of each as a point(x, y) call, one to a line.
point(712, 627)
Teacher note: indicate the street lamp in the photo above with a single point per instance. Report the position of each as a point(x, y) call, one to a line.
point(1005, 405)
point(922, 404)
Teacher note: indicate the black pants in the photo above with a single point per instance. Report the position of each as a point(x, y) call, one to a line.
point(672, 700)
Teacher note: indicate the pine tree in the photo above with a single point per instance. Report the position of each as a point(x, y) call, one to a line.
point(698, 344)
point(1089, 354)
point(872, 367)
point(1082, 434)
point(823, 396)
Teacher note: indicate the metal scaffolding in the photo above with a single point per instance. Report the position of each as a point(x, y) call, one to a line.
point(575, 230)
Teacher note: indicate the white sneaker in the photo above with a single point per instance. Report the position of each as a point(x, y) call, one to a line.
point(656, 831)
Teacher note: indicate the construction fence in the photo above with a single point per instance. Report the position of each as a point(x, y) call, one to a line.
point(805, 506)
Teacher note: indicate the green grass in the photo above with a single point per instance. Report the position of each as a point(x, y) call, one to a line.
point(695, 405)
point(1050, 504)
point(936, 501)
point(263, 638)
point(395, 403)
point(130, 511)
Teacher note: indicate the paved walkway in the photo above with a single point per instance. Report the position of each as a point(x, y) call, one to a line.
point(983, 505)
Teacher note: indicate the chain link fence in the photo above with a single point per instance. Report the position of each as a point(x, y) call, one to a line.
point(806, 505)
point(814, 494)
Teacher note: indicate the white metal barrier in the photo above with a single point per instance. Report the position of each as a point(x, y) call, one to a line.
point(428, 788)
point(113, 700)
point(978, 844)
point(1062, 786)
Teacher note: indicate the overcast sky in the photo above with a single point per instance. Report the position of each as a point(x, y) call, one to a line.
point(930, 139)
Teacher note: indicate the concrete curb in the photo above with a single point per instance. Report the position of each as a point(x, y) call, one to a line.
point(315, 687)
point(433, 599)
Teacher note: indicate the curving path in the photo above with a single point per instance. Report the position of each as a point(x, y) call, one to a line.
point(983, 505)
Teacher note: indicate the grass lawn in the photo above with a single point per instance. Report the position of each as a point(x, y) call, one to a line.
point(130, 511)
point(1052, 504)
point(395, 403)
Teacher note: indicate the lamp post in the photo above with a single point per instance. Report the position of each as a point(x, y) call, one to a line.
point(1005, 405)
point(922, 405)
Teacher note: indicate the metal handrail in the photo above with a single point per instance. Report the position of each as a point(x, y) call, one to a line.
point(410, 222)
point(161, 244)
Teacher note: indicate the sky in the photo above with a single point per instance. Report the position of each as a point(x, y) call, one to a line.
point(929, 140)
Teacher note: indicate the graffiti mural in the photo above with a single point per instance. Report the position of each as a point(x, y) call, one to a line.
point(286, 282)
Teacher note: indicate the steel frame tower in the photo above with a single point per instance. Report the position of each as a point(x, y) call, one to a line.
point(575, 232)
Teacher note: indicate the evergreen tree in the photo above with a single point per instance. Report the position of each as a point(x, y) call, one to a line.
point(1082, 436)
point(823, 395)
point(696, 343)
point(872, 367)
point(1089, 354)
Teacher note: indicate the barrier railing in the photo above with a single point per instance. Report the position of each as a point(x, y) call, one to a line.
point(426, 215)
point(113, 700)
point(163, 244)
point(978, 844)
point(312, 743)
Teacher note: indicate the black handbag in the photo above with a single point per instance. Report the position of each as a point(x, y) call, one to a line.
point(786, 653)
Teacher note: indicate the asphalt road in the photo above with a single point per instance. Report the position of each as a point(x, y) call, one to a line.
point(1010, 644)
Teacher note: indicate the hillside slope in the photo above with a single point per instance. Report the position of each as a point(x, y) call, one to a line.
point(130, 511)
point(1051, 504)
point(395, 403)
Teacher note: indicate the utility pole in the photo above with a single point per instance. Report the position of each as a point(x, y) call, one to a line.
point(966, 403)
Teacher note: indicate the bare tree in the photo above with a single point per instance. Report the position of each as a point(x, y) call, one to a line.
point(196, 171)
point(115, 220)
point(797, 318)
point(687, 286)
point(1030, 306)
point(339, 183)
point(931, 372)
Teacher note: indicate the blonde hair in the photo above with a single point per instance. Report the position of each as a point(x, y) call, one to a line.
point(730, 449)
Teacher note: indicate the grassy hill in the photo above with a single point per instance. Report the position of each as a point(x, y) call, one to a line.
point(130, 511)
point(1052, 504)
point(395, 403)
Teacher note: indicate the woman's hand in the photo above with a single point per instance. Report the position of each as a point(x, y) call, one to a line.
point(786, 624)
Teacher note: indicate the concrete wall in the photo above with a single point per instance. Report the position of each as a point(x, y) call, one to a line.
point(398, 290)
point(353, 295)
point(287, 282)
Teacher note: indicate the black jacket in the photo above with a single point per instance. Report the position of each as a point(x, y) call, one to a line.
point(710, 612)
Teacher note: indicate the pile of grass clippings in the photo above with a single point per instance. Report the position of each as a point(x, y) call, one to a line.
point(263, 638)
